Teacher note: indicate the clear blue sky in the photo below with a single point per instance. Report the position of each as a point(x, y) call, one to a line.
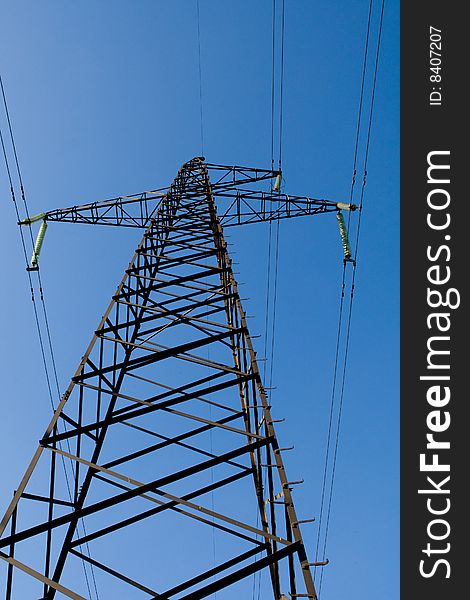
point(104, 98)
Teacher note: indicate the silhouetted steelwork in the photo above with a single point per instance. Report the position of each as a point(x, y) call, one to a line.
point(126, 452)
point(240, 205)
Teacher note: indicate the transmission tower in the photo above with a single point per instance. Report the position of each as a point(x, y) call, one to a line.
point(121, 489)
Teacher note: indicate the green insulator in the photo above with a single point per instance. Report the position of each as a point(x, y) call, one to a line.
point(344, 206)
point(38, 244)
point(33, 219)
point(343, 232)
point(277, 183)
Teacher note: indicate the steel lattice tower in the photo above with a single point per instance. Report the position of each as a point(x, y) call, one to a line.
point(126, 455)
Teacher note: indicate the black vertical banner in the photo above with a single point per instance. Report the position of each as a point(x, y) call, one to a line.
point(435, 353)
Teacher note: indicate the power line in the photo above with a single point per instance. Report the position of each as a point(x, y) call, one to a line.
point(33, 298)
point(201, 115)
point(273, 330)
point(330, 420)
point(361, 99)
point(268, 274)
point(342, 291)
point(281, 87)
point(276, 259)
point(351, 299)
point(200, 77)
point(276, 244)
point(269, 257)
point(273, 82)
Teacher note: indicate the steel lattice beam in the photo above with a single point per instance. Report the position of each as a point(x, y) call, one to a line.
point(171, 361)
point(237, 204)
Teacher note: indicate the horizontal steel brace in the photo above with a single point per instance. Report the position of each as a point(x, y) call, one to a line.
point(173, 498)
point(169, 506)
point(141, 361)
point(148, 487)
point(130, 413)
point(177, 440)
point(46, 499)
point(212, 572)
point(176, 281)
point(112, 572)
point(223, 582)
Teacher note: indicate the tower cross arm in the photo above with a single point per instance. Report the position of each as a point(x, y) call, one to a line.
point(127, 211)
point(235, 207)
point(236, 204)
point(136, 210)
point(248, 206)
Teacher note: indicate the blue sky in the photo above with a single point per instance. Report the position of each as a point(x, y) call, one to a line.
point(104, 99)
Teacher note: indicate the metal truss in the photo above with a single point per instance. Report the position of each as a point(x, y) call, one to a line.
point(237, 204)
point(165, 412)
